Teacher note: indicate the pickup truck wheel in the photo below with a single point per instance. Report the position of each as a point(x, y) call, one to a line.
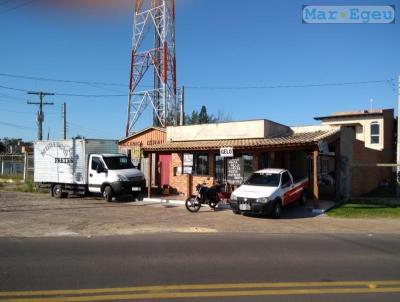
point(57, 191)
point(277, 210)
point(237, 212)
point(108, 194)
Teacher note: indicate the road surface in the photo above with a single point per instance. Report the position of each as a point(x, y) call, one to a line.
point(201, 267)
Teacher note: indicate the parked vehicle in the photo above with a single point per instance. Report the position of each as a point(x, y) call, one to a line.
point(267, 192)
point(80, 166)
point(205, 195)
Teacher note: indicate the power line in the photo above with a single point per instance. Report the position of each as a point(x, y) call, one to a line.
point(5, 2)
point(16, 126)
point(332, 84)
point(289, 86)
point(17, 6)
point(9, 75)
point(93, 84)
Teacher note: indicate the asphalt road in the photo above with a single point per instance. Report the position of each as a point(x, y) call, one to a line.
point(218, 267)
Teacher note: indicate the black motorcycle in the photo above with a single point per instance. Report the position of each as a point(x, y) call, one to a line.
point(205, 195)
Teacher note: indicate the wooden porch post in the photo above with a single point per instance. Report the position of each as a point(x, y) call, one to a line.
point(315, 179)
point(150, 168)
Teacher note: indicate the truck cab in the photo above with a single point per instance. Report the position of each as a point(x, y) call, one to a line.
point(267, 191)
point(113, 174)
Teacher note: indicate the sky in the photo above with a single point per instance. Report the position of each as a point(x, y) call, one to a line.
point(234, 45)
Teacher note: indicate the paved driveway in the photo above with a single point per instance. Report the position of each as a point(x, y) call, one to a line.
point(37, 215)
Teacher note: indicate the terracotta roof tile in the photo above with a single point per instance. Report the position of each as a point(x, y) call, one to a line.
point(295, 139)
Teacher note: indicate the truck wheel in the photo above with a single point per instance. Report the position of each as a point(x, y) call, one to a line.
point(276, 210)
point(237, 212)
point(57, 191)
point(303, 199)
point(108, 194)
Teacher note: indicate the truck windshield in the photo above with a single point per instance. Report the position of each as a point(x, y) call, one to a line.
point(118, 162)
point(263, 179)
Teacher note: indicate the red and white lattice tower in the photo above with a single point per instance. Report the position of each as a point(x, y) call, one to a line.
point(153, 49)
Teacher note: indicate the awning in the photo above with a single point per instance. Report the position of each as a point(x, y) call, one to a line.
point(303, 139)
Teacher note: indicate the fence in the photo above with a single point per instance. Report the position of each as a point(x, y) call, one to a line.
point(17, 165)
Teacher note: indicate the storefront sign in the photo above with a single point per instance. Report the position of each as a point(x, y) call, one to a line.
point(234, 171)
point(187, 170)
point(136, 155)
point(188, 159)
point(226, 152)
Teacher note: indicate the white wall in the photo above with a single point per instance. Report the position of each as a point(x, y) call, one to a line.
point(229, 130)
point(362, 127)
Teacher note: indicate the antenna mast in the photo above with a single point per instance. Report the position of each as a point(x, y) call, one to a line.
point(153, 47)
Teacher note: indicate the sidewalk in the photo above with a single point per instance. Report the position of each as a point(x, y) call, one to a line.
point(323, 205)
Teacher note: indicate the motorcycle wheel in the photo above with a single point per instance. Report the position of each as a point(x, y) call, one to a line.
point(193, 204)
point(213, 204)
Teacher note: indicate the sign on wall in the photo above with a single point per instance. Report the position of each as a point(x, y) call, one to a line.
point(226, 152)
point(234, 173)
point(188, 159)
point(136, 155)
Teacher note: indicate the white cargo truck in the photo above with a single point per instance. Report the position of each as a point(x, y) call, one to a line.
point(81, 166)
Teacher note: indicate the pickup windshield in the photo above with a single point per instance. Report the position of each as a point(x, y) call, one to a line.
point(117, 162)
point(263, 179)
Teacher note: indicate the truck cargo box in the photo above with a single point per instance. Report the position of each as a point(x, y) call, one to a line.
point(65, 161)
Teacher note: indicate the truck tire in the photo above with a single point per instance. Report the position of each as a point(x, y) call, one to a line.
point(236, 212)
point(276, 209)
point(108, 193)
point(57, 191)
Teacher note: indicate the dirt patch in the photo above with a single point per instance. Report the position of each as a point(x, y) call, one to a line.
point(37, 215)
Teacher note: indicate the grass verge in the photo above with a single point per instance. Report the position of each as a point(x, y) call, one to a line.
point(366, 209)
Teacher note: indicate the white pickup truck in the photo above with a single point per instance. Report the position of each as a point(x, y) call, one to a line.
point(80, 166)
point(267, 191)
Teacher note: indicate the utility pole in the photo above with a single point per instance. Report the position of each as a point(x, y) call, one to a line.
point(64, 117)
point(398, 139)
point(40, 114)
point(182, 107)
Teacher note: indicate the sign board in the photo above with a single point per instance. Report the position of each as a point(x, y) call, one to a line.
point(187, 170)
point(136, 155)
point(226, 152)
point(187, 159)
point(234, 174)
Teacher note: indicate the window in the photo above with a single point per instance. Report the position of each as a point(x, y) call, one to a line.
point(264, 160)
point(118, 162)
point(263, 179)
point(375, 133)
point(247, 165)
point(286, 179)
point(219, 168)
point(200, 164)
point(96, 161)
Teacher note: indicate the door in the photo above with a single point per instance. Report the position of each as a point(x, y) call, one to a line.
point(164, 166)
point(95, 180)
point(289, 192)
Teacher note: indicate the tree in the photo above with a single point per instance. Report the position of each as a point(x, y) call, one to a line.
point(2, 147)
point(203, 116)
point(12, 144)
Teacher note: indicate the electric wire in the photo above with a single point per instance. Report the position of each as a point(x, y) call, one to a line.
point(17, 6)
point(17, 126)
point(332, 84)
